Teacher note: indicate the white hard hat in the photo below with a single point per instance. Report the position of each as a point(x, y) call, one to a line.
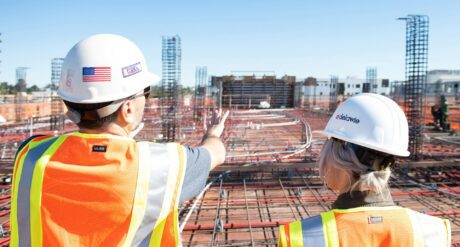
point(103, 68)
point(372, 121)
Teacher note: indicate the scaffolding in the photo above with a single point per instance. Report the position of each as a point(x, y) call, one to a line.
point(371, 79)
point(334, 89)
point(201, 78)
point(417, 28)
point(57, 108)
point(0, 53)
point(170, 88)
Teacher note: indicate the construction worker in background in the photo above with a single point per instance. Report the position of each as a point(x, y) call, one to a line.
point(366, 133)
point(444, 113)
point(436, 116)
point(98, 186)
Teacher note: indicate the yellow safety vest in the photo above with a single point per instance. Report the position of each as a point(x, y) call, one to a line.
point(367, 226)
point(96, 190)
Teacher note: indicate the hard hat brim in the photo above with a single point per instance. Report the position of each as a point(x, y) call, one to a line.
point(367, 145)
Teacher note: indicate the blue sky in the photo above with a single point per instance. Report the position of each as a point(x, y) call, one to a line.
point(301, 38)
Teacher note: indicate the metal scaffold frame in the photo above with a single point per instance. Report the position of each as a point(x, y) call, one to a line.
point(371, 78)
point(0, 53)
point(170, 88)
point(201, 78)
point(57, 109)
point(417, 28)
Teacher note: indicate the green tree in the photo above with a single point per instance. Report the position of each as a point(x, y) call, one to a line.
point(33, 88)
point(187, 90)
point(4, 87)
point(51, 86)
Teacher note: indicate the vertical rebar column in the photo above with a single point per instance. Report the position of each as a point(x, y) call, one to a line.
point(333, 87)
point(170, 88)
point(56, 107)
point(0, 53)
point(417, 27)
point(371, 78)
point(201, 78)
point(310, 92)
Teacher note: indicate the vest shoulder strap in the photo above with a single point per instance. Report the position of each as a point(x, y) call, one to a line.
point(430, 230)
point(313, 231)
point(23, 144)
point(307, 232)
point(161, 173)
point(29, 168)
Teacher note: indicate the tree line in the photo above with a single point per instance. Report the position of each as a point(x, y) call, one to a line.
point(155, 91)
point(20, 86)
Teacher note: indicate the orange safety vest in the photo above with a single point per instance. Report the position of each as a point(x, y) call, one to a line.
point(96, 190)
point(367, 226)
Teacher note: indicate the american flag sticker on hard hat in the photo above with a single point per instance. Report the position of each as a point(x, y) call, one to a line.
point(131, 69)
point(96, 74)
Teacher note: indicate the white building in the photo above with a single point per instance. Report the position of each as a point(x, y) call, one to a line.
point(346, 87)
point(443, 81)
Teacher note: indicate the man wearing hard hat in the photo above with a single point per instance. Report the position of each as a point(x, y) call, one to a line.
point(366, 133)
point(99, 187)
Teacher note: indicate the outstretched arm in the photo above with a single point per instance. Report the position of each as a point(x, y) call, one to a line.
point(211, 140)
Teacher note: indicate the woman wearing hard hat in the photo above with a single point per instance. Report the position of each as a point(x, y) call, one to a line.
point(366, 133)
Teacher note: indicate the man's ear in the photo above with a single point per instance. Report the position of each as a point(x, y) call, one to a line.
point(127, 111)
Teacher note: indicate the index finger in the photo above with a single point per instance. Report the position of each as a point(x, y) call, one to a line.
point(224, 118)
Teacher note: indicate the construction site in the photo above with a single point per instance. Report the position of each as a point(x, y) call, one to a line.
point(270, 175)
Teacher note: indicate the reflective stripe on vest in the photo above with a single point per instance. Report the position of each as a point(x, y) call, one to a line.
point(152, 220)
point(430, 231)
point(308, 232)
point(407, 225)
point(154, 200)
point(26, 201)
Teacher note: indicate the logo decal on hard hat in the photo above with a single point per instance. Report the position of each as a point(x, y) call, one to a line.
point(68, 79)
point(131, 69)
point(347, 118)
point(96, 74)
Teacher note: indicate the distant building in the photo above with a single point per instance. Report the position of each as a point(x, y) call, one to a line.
point(21, 78)
point(21, 73)
point(56, 67)
point(443, 82)
point(346, 87)
point(248, 91)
